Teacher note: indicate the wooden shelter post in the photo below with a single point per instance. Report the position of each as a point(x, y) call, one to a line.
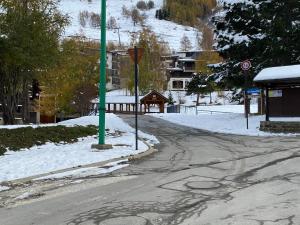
point(267, 104)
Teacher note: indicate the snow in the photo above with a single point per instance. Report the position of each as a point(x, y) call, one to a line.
point(231, 1)
point(52, 157)
point(276, 73)
point(24, 196)
point(226, 108)
point(167, 31)
point(4, 188)
point(89, 171)
point(118, 96)
point(227, 119)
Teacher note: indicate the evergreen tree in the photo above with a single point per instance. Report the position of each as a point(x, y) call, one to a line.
point(267, 32)
point(170, 99)
point(198, 85)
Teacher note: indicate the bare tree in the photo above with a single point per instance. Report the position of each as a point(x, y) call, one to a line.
point(185, 43)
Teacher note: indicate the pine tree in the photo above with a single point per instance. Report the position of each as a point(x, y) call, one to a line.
point(267, 32)
point(197, 86)
point(170, 99)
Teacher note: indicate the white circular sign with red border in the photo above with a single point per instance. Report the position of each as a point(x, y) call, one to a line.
point(246, 65)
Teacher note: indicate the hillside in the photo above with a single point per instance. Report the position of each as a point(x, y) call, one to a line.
point(167, 31)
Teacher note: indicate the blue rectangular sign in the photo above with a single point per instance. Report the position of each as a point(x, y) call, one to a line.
point(253, 91)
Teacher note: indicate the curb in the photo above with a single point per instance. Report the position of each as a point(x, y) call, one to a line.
point(141, 155)
point(138, 156)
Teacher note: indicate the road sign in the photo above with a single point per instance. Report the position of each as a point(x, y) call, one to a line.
point(140, 53)
point(246, 65)
point(253, 91)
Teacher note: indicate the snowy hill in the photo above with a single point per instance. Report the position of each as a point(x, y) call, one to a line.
point(167, 31)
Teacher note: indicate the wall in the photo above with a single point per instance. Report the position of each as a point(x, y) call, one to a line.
point(288, 104)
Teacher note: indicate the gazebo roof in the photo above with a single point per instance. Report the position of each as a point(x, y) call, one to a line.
point(282, 74)
point(153, 92)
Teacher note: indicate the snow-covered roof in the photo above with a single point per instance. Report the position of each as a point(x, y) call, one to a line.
point(175, 69)
point(187, 60)
point(278, 73)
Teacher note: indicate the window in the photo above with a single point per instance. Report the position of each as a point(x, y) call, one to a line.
point(178, 84)
point(186, 83)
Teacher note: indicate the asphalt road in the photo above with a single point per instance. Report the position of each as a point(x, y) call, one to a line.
point(196, 178)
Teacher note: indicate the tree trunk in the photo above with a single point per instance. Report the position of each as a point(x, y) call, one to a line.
point(8, 96)
point(25, 103)
point(198, 97)
point(8, 113)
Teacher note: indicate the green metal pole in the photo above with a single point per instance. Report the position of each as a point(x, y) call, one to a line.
point(102, 84)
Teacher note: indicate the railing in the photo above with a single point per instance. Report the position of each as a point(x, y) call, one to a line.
point(121, 108)
point(194, 110)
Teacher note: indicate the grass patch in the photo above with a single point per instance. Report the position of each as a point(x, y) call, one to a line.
point(16, 139)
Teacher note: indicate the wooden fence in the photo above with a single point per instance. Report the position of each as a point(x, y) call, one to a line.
point(120, 108)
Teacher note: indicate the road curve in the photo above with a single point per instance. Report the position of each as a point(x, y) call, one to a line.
point(196, 178)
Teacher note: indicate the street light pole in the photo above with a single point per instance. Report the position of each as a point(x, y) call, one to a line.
point(102, 84)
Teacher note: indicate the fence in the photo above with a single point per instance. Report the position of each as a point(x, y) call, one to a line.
point(121, 108)
point(173, 109)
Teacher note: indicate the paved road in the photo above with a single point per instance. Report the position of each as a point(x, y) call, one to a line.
point(197, 178)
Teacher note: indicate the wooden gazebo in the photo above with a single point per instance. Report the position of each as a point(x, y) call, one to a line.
point(154, 98)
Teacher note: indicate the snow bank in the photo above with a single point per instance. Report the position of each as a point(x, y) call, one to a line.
point(52, 157)
point(231, 122)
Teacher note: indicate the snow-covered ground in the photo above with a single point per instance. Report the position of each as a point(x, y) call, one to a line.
point(221, 119)
point(84, 172)
point(4, 188)
point(123, 96)
point(167, 31)
point(53, 157)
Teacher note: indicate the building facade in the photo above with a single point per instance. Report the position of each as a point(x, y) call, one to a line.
point(180, 69)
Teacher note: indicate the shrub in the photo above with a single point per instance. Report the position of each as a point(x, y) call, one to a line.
point(137, 17)
point(141, 5)
point(83, 17)
point(16, 139)
point(112, 23)
point(95, 20)
point(126, 12)
point(150, 4)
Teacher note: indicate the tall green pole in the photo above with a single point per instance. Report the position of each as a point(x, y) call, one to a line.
point(102, 84)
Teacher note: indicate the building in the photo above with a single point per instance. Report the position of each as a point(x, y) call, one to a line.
point(282, 88)
point(180, 69)
point(114, 61)
point(282, 98)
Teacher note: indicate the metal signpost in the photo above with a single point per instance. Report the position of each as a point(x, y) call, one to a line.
point(246, 65)
point(136, 55)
